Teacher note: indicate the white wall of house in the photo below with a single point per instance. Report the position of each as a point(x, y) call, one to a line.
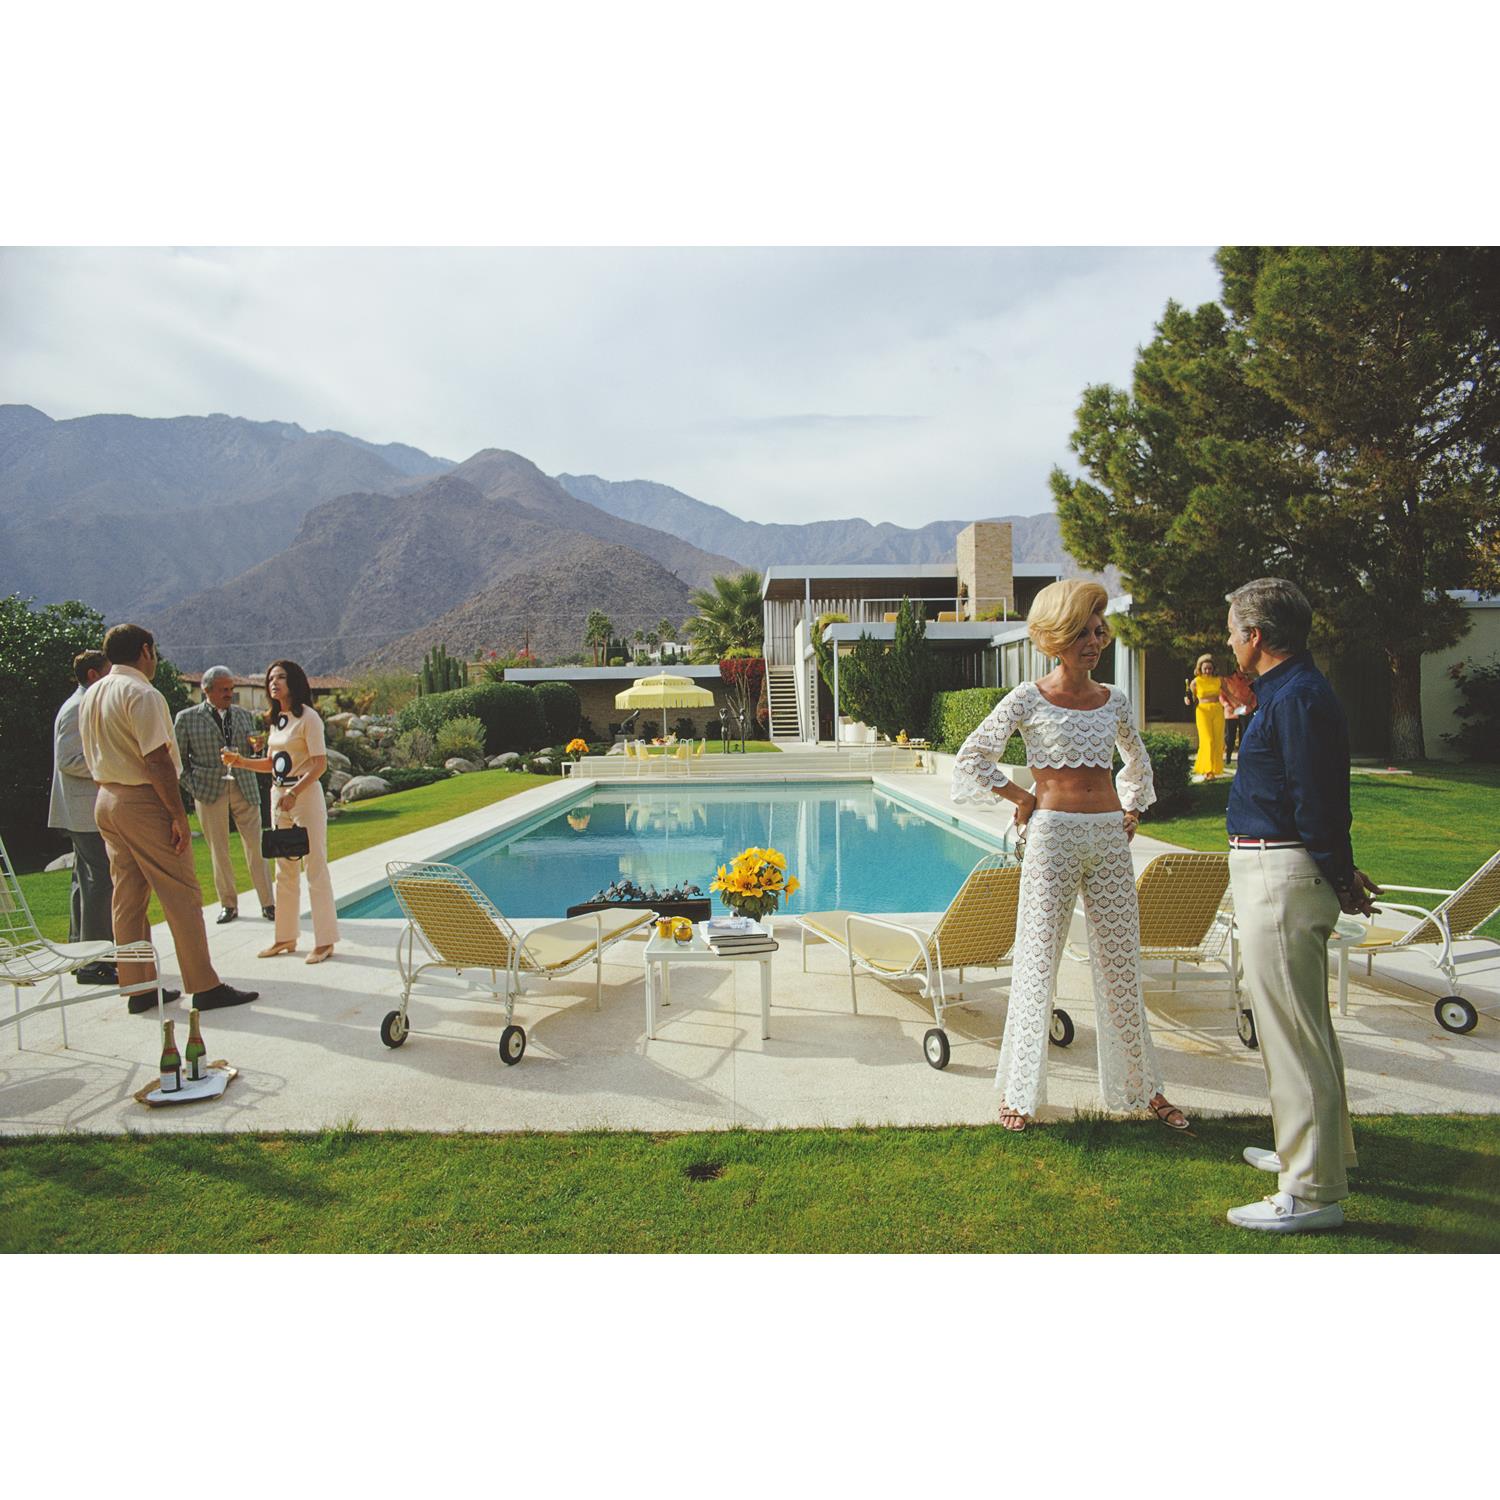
point(1440, 695)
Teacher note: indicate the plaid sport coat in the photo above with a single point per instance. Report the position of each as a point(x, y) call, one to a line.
point(199, 742)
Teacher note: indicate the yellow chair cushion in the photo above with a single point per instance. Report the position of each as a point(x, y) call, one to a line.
point(876, 947)
point(560, 944)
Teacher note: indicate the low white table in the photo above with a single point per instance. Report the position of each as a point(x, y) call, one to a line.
point(662, 953)
point(1348, 932)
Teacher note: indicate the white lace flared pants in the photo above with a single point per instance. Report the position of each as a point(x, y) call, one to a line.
point(1066, 852)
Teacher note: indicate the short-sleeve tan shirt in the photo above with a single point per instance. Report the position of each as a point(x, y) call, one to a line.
point(122, 719)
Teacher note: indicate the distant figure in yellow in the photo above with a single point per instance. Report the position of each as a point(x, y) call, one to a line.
point(1204, 690)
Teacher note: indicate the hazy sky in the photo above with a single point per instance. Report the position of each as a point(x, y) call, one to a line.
point(899, 385)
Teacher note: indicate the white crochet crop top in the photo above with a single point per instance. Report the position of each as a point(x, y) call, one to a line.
point(1056, 737)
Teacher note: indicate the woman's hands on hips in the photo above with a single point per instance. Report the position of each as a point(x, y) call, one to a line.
point(1025, 805)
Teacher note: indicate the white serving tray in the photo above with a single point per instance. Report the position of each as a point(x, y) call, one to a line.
point(219, 1074)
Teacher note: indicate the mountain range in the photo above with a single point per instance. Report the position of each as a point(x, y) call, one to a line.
point(239, 541)
point(758, 544)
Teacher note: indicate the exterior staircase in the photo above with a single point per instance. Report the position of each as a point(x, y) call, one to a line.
point(781, 693)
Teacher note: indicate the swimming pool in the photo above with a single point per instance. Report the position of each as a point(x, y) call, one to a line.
point(850, 843)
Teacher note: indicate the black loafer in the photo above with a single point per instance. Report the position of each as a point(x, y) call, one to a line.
point(98, 974)
point(269, 913)
point(227, 915)
point(140, 1004)
point(222, 995)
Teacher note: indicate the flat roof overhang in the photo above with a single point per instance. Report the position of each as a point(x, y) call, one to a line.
point(939, 632)
point(879, 580)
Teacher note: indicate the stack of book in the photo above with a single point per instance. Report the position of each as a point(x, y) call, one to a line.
point(736, 935)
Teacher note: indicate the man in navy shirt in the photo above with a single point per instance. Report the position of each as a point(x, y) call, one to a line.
point(1291, 868)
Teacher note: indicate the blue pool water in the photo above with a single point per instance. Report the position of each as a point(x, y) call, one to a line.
point(850, 844)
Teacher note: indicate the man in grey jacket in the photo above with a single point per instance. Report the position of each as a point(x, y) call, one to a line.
point(71, 810)
point(202, 732)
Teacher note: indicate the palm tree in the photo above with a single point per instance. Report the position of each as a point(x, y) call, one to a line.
point(729, 615)
point(597, 631)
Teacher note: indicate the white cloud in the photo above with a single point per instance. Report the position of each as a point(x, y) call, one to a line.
point(899, 385)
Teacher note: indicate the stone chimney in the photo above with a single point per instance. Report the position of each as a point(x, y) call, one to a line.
point(984, 567)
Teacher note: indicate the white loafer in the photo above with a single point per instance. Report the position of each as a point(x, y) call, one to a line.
point(1279, 1214)
point(1258, 1156)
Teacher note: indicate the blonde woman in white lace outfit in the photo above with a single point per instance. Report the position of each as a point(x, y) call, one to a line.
point(1077, 828)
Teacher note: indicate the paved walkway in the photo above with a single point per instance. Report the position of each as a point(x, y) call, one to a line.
point(310, 1055)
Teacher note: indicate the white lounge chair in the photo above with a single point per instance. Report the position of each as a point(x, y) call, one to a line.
point(461, 929)
point(1457, 917)
point(978, 931)
point(29, 961)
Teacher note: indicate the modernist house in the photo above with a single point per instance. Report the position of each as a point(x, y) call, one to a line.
point(975, 609)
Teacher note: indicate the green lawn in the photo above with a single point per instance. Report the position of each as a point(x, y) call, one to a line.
point(1435, 827)
point(1427, 1184)
point(356, 828)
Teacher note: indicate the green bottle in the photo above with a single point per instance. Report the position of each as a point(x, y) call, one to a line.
point(171, 1060)
point(197, 1053)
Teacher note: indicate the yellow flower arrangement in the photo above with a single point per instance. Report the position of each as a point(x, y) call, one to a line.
point(754, 881)
point(576, 747)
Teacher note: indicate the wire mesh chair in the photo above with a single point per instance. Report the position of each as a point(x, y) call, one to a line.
point(978, 931)
point(460, 929)
point(1457, 917)
point(1187, 917)
point(30, 961)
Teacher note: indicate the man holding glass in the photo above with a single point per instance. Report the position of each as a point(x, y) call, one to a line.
point(202, 731)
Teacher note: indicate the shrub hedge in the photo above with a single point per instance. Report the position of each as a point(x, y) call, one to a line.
point(561, 709)
point(511, 713)
point(956, 715)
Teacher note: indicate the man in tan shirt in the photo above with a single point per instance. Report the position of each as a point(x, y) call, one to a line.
point(132, 753)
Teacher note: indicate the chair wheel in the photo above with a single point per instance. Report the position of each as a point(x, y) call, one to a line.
point(1246, 1028)
point(1061, 1029)
point(935, 1047)
point(394, 1029)
point(1454, 1013)
point(512, 1045)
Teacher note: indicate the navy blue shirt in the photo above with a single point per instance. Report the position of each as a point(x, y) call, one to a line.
point(1292, 781)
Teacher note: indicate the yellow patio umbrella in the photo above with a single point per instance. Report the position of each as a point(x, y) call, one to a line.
point(664, 691)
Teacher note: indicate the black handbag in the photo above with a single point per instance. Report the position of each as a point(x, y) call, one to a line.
point(283, 843)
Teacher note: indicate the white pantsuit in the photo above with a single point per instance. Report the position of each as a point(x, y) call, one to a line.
point(1066, 853)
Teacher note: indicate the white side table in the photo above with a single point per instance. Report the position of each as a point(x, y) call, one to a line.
point(662, 953)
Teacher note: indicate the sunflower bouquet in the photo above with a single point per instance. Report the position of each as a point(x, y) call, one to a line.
point(754, 882)
point(576, 747)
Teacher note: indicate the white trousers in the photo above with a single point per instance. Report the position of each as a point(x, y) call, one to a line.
point(1066, 853)
point(1285, 911)
point(308, 812)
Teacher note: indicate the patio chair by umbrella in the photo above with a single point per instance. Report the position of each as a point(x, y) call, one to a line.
point(664, 691)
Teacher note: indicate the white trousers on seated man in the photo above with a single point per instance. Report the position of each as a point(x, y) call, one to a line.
point(213, 818)
point(1285, 912)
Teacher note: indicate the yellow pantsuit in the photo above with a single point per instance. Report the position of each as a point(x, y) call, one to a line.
point(1210, 716)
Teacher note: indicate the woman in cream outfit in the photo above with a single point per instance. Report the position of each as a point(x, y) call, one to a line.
point(1077, 828)
point(297, 757)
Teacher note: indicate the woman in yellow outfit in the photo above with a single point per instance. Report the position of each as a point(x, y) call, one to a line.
point(1203, 691)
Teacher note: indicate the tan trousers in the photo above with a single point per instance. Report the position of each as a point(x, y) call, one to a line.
point(137, 833)
point(213, 818)
point(1285, 912)
point(308, 812)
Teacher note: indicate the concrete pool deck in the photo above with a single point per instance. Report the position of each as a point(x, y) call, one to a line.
point(310, 1056)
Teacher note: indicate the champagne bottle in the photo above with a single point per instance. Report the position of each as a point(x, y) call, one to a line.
point(197, 1053)
point(171, 1059)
